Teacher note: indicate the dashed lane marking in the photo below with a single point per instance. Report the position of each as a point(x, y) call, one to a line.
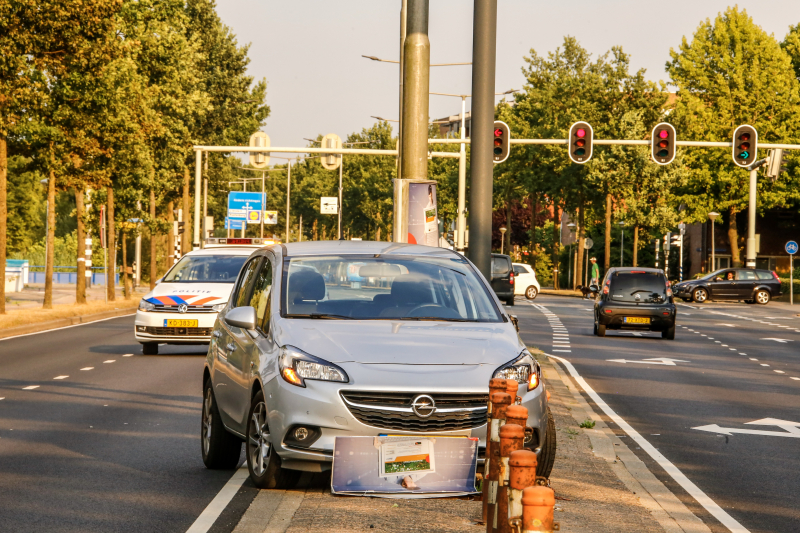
point(110, 361)
point(128, 355)
point(30, 387)
point(88, 368)
point(61, 377)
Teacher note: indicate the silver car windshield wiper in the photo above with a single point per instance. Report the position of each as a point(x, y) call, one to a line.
point(437, 318)
point(321, 316)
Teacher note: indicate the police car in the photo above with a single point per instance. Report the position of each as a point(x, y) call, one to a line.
point(184, 304)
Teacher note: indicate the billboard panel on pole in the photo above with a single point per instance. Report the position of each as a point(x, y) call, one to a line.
point(423, 219)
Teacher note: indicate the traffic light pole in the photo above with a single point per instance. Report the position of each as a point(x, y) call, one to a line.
point(462, 182)
point(751, 213)
point(484, 50)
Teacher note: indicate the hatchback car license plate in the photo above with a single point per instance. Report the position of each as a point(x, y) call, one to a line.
point(636, 320)
point(178, 323)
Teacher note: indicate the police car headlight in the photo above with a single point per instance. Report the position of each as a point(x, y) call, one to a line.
point(297, 366)
point(144, 305)
point(218, 307)
point(523, 370)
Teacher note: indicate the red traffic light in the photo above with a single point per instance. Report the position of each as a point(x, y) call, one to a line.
point(663, 134)
point(498, 132)
point(744, 137)
point(580, 142)
point(663, 144)
point(580, 133)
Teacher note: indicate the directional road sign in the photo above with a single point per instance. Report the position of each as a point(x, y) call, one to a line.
point(239, 203)
point(234, 223)
point(782, 341)
point(791, 247)
point(328, 205)
point(654, 361)
point(790, 429)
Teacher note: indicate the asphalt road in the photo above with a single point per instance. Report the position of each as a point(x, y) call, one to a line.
point(108, 440)
point(738, 364)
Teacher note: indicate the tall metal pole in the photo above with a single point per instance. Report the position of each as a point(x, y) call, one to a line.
point(751, 220)
point(341, 164)
point(205, 204)
point(462, 182)
point(680, 259)
point(713, 258)
point(484, 48)
point(621, 245)
point(198, 174)
point(288, 196)
point(264, 206)
point(403, 20)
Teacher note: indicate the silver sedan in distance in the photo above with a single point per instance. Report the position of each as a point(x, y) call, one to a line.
point(351, 338)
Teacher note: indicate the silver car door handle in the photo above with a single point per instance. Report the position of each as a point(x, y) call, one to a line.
point(217, 333)
point(230, 347)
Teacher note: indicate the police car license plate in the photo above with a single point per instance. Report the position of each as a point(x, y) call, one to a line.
point(179, 323)
point(636, 320)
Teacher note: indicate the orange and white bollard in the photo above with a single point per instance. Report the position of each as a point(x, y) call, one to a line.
point(512, 386)
point(495, 385)
point(500, 400)
point(538, 503)
point(512, 437)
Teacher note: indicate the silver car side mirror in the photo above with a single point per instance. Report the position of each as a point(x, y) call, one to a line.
point(515, 321)
point(242, 317)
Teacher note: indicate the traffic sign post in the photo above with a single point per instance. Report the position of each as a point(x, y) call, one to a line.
point(587, 245)
point(791, 249)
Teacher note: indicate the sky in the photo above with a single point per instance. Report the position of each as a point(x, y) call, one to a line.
point(309, 51)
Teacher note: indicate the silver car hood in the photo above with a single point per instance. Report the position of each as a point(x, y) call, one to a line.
point(402, 342)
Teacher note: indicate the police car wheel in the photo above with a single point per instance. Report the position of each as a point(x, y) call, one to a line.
point(150, 348)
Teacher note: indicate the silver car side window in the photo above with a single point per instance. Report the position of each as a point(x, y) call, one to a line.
point(260, 299)
point(244, 282)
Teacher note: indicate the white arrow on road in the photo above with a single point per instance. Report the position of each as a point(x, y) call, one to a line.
point(784, 341)
point(729, 325)
point(655, 361)
point(790, 429)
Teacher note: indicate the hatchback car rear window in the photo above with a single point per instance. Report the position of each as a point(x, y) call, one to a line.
point(500, 265)
point(764, 274)
point(638, 287)
point(391, 288)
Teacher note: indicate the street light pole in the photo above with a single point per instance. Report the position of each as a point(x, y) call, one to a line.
point(339, 230)
point(462, 182)
point(622, 243)
point(713, 216)
point(484, 52)
point(502, 238)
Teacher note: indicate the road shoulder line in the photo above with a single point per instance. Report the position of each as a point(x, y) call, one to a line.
point(212, 511)
point(63, 323)
point(664, 506)
point(694, 491)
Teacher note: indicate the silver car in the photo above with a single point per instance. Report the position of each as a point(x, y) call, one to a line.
point(350, 338)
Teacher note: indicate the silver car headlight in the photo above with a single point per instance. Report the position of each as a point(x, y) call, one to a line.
point(144, 305)
point(219, 307)
point(523, 370)
point(297, 366)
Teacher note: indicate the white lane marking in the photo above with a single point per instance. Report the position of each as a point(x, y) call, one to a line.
point(560, 334)
point(61, 377)
point(742, 353)
point(794, 378)
point(30, 387)
point(725, 345)
point(655, 361)
point(782, 341)
point(128, 355)
point(753, 359)
point(779, 371)
point(732, 349)
point(88, 368)
point(64, 327)
point(110, 361)
point(729, 325)
point(219, 503)
point(791, 429)
point(764, 364)
point(568, 351)
point(693, 490)
point(3, 398)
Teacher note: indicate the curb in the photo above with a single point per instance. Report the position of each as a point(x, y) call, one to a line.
point(64, 322)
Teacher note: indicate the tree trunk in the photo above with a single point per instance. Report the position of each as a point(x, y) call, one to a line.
point(534, 209)
point(581, 240)
point(80, 285)
point(636, 246)
point(316, 234)
point(733, 238)
point(607, 258)
point(3, 219)
point(556, 244)
point(51, 238)
point(186, 237)
point(111, 242)
point(125, 287)
point(171, 235)
point(153, 241)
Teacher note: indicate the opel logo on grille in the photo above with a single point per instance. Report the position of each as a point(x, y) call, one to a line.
point(423, 406)
point(183, 308)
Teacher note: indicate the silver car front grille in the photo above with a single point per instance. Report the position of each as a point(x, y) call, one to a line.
point(394, 411)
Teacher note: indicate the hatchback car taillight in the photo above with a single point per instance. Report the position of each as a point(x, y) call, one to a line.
point(511, 277)
point(605, 287)
point(775, 275)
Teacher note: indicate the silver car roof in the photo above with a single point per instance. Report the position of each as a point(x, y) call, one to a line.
point(294, 249)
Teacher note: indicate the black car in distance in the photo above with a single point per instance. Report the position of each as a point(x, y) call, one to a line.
point(503, 278)
point(637, 299)
point(748, 284)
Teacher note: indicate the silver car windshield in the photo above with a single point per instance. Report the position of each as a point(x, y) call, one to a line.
point(206, 269)
point(396, 288)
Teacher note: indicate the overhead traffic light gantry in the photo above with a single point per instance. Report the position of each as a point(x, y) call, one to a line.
point(663, 143)
point(745, 145)
point(502, 142)
point(581, 137)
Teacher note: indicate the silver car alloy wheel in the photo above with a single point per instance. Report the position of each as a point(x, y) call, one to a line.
point(258, 445)
point(762, 297)
point(700, 295)
point(530, 292)
point(207, 421)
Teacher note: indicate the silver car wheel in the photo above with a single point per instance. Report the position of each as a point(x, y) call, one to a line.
point(762, 297)
point(207, 421)
point(258, 442)
point(530, 292)
point(700, 295)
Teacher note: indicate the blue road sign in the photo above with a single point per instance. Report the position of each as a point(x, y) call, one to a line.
point(234, 223)
point(239, 203)
point(791, 247)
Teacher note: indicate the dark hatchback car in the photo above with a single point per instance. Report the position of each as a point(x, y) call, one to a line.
point(503, 278)
point(747, 284)
point(636, 299)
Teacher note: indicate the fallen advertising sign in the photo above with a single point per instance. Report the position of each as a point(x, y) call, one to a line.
point(402, 466)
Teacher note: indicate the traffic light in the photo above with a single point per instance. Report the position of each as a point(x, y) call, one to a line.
point(502, 142)
point(259, 159)
point(676, 239)
point(774, 165)
point(663, 143)
point(667, 241)
point(745, 145)
point(581, 137)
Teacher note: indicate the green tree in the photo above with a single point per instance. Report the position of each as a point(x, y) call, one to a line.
point(732, 72)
